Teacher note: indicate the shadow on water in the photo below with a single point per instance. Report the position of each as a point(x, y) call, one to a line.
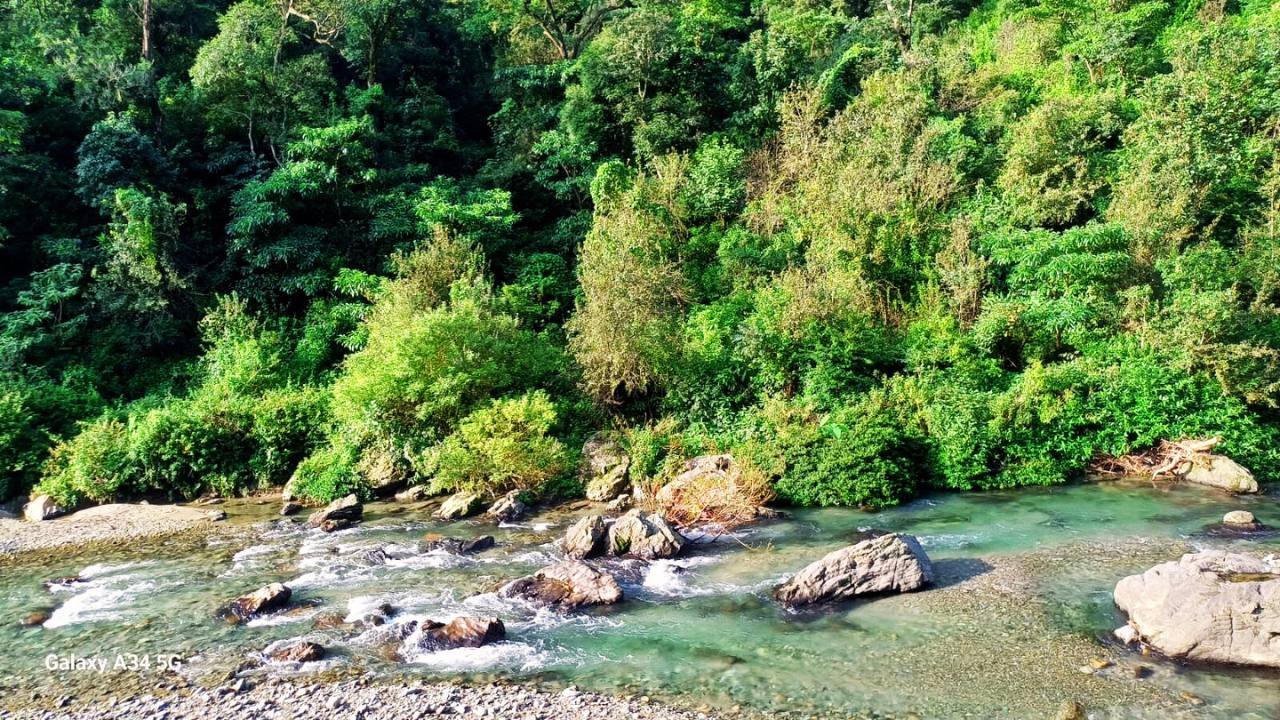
point(953, 571)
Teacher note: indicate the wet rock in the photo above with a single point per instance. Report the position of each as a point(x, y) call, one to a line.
point(1211, 606)
point(1219, 471)
point(1239, 517)
point(604, 469)
point(508, 508)
point(290, 508)
point(1126, 634)
point(567, 585)
point(647, 537)
point(299, 652)
point(417, 493)
point(460, 632)
point(622, 503)
point(65, 581)
point(460, 505)
point(35, 619)
point(41, 508)
point(889, 563)
point(330, 621)
point(264, 599)
point(1071, 710)
point(332, 516)
point(457, 546)
point(585, 538)
point(216, 515)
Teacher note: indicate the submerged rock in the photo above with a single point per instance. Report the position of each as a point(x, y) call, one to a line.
point(585, 538)
point(508, 508)
point(604, 469)
point(338, 514)
point(888, 563)
point(299, 652)
point(42, 507)
point(647, 537)
point(460, 505)
point(1219, 471)
point(264, 599)
point(1211, 606)
point(457, 546)
point(35, 618)
point(568, 585)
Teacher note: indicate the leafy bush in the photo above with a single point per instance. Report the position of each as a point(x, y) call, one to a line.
point(328, 474)
point(94, 466)
point(502, 447)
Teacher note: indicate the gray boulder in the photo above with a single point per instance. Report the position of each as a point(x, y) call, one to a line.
point(417, 493)
point(566, 585)
point(460, 505)
point(41, 508)
point(340, 512)
point(1211, 606)
point(605, 467)
point(460, 632)
point(508, 508)
point(884, 564)
point(585, 538)
point(1239, 517)
point(1219, 471)
point(648, 537)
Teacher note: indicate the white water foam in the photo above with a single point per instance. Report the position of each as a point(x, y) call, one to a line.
point(105, 592)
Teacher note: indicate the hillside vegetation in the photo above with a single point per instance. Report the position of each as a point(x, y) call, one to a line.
point(868, 247)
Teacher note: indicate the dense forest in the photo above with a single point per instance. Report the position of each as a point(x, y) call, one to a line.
point(870, 247)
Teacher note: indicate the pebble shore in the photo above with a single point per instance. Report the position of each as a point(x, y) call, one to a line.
point(366, 700)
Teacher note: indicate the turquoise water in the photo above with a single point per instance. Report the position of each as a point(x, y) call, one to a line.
point(1022, 604)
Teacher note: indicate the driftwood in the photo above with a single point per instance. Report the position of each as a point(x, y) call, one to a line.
point(1167, 460)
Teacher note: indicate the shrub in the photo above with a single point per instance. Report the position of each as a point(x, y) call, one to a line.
point(502, 447)
point(93, 466)
point(328, 474)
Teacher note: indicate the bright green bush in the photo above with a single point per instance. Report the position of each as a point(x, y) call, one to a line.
point(328, 474)
point(504, 446)
point(93, 466)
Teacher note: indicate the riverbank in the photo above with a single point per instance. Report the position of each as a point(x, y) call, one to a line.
point(368, 700)
point(106, 525)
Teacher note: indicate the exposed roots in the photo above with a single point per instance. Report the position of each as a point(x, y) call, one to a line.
point(1166, 461)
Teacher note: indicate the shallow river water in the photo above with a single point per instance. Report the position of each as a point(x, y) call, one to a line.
point(1021, 607)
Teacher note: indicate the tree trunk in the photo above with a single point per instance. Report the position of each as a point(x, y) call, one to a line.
point(146, 29)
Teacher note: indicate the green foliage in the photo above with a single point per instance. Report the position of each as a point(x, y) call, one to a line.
point(328, 474)
point(502, 447)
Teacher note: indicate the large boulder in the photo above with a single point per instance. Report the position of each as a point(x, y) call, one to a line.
point(715, 488)
point(460, 505)
point(605, 467)
point(648, 537)
point(417, 493)
point(585, 538)
point(264, 599)
point(888, 563)
point(337, 514)
point(1219, 471)
point(297, 652)
point(567, 585)
point(1212, 606)
point(41, 508)
point(508, 508)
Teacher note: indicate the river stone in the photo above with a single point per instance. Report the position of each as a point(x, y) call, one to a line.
point(1221, 472)
point(264, 599)
point(417, 493)
point(459, 632)
point(290, 508)
point(568, 585)
point(460, 505)
point(41, 508)
point(508, 508)
point(457, 546)
point(1212, 606)
point(1239, 517)
point(888, 563)
point(347, 508)
point(585, 538)
point(35, 619)
point(604, 468)
point(647, 537)
point(299, 652)
point(1071, 710)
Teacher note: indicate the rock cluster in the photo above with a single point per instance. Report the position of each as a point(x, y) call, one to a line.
point(456, 546)
point(605, 467)
point(884, 564)
point(508, 508)
point(1212, 606)
point(337, 515)
point(648, 537)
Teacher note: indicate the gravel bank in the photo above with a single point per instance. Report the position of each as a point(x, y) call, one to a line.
point(109, 524)
point(364, 700)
